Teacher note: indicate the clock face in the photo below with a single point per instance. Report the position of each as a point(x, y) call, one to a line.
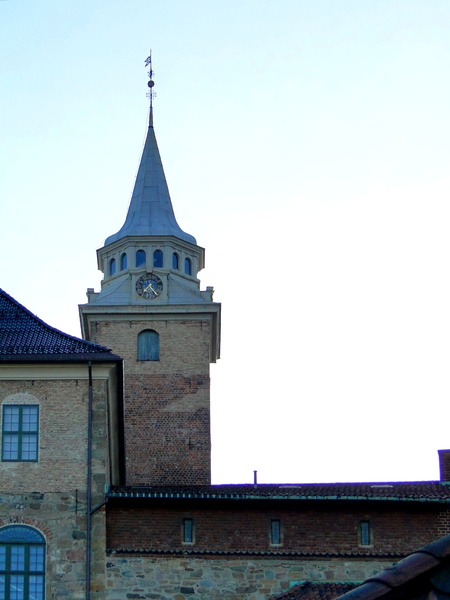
point(149, 286)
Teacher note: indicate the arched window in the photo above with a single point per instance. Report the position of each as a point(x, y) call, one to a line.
point(112, 266)
point(148, 345)
point(187, 266)
point(158, 258)
point(123, 261)
point(140, 258)
point(22, 563)
point(175, 261)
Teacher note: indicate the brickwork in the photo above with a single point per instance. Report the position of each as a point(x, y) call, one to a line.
point(443, 523)
point(63, 406)
point(142, 577)
point(167, 402)
point(332, 528)
point(444, 464)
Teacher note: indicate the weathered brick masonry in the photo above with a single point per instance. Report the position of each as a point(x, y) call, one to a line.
point(244, 526)
point(167, 429)
point(167, 402)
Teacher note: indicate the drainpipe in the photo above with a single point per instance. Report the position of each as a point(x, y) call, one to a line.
point(89, 488)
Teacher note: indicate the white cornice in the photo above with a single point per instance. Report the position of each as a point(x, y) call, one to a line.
point(53, 371)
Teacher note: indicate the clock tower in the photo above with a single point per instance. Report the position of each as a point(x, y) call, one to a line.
point(152, 313)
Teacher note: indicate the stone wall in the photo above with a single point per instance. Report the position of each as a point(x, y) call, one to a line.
point(162, 578)
point(61, 518)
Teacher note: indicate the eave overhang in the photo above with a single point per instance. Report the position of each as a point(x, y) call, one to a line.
point(132, 493)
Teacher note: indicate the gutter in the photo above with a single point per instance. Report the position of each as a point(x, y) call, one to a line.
point(89, 488)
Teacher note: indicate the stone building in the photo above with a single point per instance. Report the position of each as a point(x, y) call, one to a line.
point(105, 476)
point(61, 398)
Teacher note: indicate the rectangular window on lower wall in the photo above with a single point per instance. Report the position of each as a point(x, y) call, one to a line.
point(275, 532)
point(20, 425)
point(188, 531)
point(365, 533)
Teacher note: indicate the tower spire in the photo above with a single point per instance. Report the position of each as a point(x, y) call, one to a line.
point(150, 211)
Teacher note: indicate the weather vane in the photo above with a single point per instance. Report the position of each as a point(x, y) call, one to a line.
point(150, 94)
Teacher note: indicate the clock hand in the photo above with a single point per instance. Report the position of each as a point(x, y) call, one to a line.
point(150, 287)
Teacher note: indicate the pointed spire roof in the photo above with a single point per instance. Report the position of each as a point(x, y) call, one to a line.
point(23, 336)
point(151, 211)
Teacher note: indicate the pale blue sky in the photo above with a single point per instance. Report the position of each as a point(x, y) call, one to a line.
point(306, 147)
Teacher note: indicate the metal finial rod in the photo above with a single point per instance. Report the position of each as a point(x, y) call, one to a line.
point(151, 94)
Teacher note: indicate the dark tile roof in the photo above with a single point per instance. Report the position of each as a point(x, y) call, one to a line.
point(413, 578)
point(23, 336)
point(421, 491)
point(315, 590)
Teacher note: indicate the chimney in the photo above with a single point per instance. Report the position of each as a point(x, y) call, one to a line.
point(444, 464)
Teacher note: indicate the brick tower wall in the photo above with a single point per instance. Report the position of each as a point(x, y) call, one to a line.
point(167, 402)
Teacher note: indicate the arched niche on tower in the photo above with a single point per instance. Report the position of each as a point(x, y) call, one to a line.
point(158, 258)
point(141, 258)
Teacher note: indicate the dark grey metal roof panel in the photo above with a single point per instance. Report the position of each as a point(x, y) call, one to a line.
point(150, 211)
